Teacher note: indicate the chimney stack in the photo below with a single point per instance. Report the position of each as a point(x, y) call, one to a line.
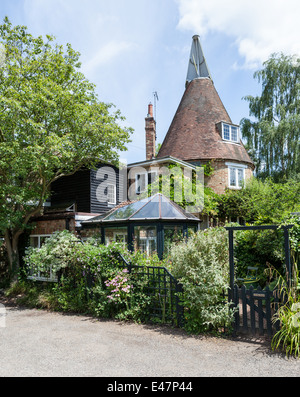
point(150, 133)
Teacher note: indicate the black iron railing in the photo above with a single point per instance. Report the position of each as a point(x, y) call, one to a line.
point(164, 291)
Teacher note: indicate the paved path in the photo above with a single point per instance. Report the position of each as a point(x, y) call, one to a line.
point(40, 343)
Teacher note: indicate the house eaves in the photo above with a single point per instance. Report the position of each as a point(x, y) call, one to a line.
point(162, 160)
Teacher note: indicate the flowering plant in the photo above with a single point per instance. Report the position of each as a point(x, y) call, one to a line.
point(92, 278)
point(119, 288)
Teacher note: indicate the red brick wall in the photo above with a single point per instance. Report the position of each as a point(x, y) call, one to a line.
point(51, 226)
point(219, 180)
point(54, 225)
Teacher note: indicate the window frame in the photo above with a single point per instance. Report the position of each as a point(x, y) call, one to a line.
point(52, 278)
point(147, 176)
point(123, 234)
point(114, 202)
point(231, 126)
point(236, 168)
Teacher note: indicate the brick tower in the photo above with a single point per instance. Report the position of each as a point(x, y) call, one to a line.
point(202, 131)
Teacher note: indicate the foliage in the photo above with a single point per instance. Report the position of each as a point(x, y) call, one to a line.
point(119, 288)
point(265, 248)
point(4, 274)
point(92, 277)
point(211, 202)
point(262, 202)
point(186, 188)
point(294, 235)
point(183, 186)
point(201, 265)
point(51, 125)
point(273, 139)
point(288, 314)
point(261, 249)
point(38, 295)
point(54, 254)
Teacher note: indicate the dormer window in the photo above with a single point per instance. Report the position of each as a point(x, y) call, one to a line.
point(230, 132)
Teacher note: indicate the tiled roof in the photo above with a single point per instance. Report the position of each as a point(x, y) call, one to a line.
point(193, 134)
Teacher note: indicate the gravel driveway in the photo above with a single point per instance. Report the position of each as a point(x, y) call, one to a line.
point(40, 343)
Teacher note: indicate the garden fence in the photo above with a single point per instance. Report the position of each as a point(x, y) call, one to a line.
point(256, 310)
point(161, 286)
point(164, 290)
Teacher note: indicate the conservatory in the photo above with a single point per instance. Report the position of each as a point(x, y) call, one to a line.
point(149, 225)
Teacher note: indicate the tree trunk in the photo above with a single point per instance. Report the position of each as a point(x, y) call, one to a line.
point(11, 242)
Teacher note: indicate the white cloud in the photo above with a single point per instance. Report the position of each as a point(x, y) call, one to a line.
point(258, 27)
point(109, 52)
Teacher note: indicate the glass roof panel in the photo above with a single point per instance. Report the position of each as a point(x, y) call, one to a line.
point(127, 211)
point(180, 210)
point(155, 207)
point(150, 210)
point(168, 210)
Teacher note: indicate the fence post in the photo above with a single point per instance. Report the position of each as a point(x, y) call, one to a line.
point(231, 265)
point(237, 313)
point(179, 306)
point(268, 311)
point(244, 308)
point(287, 256)
point(260, 311)
point(277, 299)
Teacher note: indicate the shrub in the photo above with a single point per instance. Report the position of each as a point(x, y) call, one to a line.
point(201, 265)
point(295, 236)
point(4, 268)
point(288, 314)
point(92, 278)
point(54, 255)
point(262, 202)
point(261, 249)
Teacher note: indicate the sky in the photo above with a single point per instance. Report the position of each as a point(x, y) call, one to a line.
point(134, 48)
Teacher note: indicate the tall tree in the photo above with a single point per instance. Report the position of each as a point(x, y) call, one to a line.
point(273, 139)
point(51, 124)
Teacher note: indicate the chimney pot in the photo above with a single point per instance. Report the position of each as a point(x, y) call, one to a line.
point(150, 110)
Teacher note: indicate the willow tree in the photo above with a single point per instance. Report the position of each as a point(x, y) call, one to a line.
point(51, 124)
point(273, 138)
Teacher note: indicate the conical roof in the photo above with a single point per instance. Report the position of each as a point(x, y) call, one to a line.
point(193, 133)
point(155, 207)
